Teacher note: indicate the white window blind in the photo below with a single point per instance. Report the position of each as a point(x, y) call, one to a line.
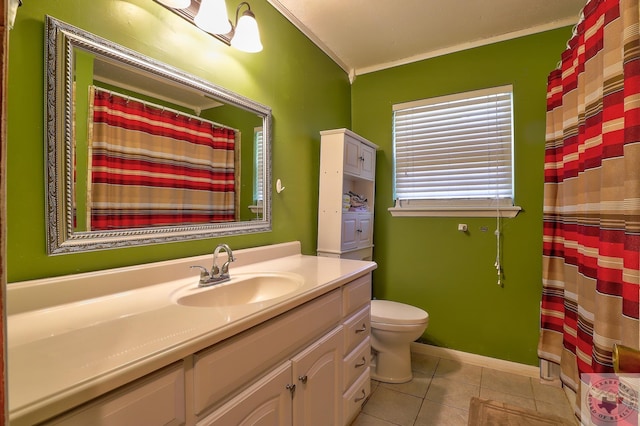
point(456, 148)
point(258, 183)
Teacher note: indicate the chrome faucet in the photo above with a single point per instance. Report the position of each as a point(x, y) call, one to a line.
point(217, 274)
point(221, 273)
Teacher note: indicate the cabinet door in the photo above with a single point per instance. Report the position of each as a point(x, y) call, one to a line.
point(265, 403)
point(317, 372)
point(349, 231)
point(155, 400)
point(368, 162)
point(364, 230)
point(352, 157)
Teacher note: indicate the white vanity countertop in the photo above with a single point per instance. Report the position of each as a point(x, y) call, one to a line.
point(65, 354)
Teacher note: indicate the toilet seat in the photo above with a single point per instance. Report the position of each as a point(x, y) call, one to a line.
point(389, 313)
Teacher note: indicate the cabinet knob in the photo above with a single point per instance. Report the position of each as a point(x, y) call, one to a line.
point(303, 379)
point(292, 388)
point(363, 329)
point(359, 230)
point(361, 364)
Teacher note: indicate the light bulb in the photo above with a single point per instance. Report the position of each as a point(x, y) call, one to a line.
point(247, 36)
point(212, 17)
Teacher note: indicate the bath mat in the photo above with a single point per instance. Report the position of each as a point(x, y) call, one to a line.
point(483, 412)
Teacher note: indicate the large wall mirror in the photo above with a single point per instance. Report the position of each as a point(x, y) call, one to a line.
point(140, 152)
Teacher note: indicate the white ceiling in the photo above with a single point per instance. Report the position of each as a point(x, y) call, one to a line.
point(368, 35)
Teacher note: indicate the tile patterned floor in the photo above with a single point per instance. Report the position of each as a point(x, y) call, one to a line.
point(441, 390)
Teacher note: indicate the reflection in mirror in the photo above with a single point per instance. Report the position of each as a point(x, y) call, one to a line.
point(258, 183)
point(139, 152)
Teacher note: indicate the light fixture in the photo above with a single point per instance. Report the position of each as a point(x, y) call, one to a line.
point(211, 16)
point(246, 36)
point(176, 4)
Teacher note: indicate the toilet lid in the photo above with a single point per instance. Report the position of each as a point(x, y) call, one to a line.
point(389, 312)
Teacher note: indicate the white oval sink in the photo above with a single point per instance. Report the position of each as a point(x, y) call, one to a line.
point(241, 290)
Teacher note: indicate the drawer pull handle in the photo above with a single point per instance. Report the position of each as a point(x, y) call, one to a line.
point(362, 364)
point(363, 329)
point(360, 398)
point(303, 379)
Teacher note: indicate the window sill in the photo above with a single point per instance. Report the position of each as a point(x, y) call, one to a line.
point(508, 212)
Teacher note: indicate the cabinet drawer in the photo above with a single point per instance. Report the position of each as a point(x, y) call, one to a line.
point(356, 294)
point(357, 329)
point(227, 366)
point(154, 400)
point(356, 363)
point(353, 398)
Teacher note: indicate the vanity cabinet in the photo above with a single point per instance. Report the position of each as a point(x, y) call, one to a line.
point(307, 366)
point(347, 191)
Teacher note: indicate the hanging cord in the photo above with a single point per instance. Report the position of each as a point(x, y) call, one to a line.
point(497, 232)
point(497, 264)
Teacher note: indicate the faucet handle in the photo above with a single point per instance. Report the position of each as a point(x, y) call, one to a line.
point(204, 274)
point(225, 266)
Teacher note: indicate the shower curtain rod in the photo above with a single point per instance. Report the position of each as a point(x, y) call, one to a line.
point(164, 108)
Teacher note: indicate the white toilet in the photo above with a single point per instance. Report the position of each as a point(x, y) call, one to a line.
point(394, 326)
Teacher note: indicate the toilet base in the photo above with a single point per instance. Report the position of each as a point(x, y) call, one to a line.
point(382, 379)
point(391, 367)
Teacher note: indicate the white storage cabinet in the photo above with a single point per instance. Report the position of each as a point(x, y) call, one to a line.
point(347, 164)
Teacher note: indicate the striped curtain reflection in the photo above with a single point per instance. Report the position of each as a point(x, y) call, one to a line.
point(154, 167)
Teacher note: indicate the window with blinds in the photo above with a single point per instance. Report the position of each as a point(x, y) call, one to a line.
point(258, 177)
point(455, 150)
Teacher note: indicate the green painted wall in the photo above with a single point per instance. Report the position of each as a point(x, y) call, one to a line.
point(426, 261)
point(306, 90)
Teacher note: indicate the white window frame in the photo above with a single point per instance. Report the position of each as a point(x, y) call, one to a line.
point(258, 154)
point(258, 172)
point(440, 205)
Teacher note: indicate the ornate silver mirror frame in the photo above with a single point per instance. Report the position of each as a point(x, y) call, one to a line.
point(61, 40)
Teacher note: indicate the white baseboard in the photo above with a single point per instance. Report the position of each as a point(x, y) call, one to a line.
point(479, 360)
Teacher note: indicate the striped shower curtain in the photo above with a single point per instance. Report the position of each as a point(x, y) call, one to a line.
point(591, 243)
point(152, 167)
